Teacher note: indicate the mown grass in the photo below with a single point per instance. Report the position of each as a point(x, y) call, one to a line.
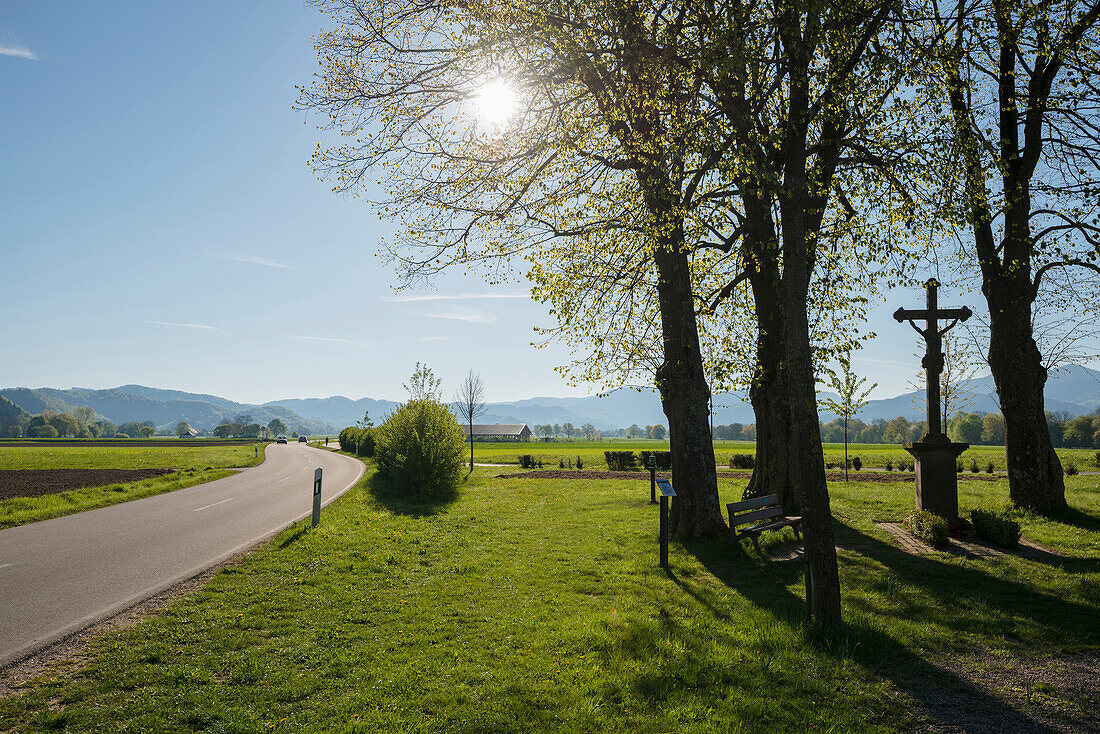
point(196, 465)
point(537, 605)
point(872, 455)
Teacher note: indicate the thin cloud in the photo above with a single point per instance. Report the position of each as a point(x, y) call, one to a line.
point(253, 260)
point(12, 46)
point(471, 316)
point(434, 339)
point(327, 339)
point(177, 325)
point(453, 297)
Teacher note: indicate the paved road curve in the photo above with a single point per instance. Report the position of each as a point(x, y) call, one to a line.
point(58, 576)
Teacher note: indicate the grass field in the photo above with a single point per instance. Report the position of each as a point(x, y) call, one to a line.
point(537, 605)
point(872, 455)
point(196, 465)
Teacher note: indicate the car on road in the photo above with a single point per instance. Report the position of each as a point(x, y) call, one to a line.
point(281, 439)
point(302, 439)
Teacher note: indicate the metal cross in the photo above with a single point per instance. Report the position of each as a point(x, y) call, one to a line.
point(933, 358)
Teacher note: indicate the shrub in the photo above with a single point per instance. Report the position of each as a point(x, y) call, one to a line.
point(1096, 460)
point(989, 468)
point(997, 527)
point(663, 458)
point(889, 465)
point(1070, 468)
point(45, 431)
point(580, 463)
point(561, 462)
point(974, 466)
point(363, 438)
point(857, 463)
point(828, 465)
point(419, 447)
point(959, 466)
point(742, 461)
point(526, 461)
point(621, 460)
point(929, 527)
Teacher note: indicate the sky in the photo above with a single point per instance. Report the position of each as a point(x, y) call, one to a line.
point(159, 225)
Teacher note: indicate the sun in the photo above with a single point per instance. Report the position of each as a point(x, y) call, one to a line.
point(496, 102)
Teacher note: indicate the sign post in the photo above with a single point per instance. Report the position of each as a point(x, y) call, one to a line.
point(666, 492)
point(652, 479)
point(317, 497)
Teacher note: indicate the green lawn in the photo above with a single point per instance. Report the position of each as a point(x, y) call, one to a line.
point(872, 455)
point(536, 605)
point(196, 465)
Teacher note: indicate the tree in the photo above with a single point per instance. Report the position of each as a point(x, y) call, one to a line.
point(1020, 83)
point(966, 427)
point(277, 427)
point(147, 431)
point(634, 431)
point(959, 368)
point(606, 133)
point(568, 430)
point(993, 429)
point(656, 432)
point(850, 399)
point(65, 424)
point(589, 432)
point(470, 403)
point(419, 446)
point(183, 429)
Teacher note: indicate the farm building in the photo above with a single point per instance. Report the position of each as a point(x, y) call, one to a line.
point(519, 432)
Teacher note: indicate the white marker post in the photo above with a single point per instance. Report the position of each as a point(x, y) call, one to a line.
point(317, 497)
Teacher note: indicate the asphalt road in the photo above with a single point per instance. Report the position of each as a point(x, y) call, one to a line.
point(59, 576)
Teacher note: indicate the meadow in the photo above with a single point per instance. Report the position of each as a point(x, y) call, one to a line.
point(194, 465)
point(872, 455)
point(519, 605)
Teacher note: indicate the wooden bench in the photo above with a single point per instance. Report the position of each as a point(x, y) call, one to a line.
point(760, 514)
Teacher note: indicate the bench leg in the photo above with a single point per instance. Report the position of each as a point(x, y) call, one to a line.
point(756, 543)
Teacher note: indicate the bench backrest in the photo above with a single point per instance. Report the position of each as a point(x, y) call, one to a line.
point(757, 508)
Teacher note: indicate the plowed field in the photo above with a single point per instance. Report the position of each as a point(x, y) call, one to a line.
point(37, 482)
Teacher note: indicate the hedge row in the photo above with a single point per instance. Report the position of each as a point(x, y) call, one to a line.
point(353, 439)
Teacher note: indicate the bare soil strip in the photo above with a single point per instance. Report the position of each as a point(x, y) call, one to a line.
point(38, 482)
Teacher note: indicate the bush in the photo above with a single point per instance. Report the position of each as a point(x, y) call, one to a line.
point(997, 527)
point(46, 431)
point(526, 461)
point(974, 466)
point(663, 458)
point(989, 468)
point(929, 527)
point(742, 461)
point(1096, 460)
point(959, 467)
point(580, 463)
point(889, 465)
point(419, 448)
point(363, 438)
point(857, 463)
point(1070, 468)
point(621, 460)
point(561, 462)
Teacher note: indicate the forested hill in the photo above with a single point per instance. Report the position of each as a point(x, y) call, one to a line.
point(165, 408)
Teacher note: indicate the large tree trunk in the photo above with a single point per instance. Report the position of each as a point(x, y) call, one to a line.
point(685, 397)
point(768, 392)
point(1034, 471)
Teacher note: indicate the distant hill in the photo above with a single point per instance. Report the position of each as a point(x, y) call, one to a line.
point(165, 408)
point(1073, 389)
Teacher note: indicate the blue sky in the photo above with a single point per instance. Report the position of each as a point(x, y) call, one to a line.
point(159, 224)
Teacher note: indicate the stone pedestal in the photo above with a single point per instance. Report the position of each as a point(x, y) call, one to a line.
point(937, 476)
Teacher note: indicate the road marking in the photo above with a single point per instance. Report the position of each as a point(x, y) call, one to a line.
point(207, 507)
point(4, 565)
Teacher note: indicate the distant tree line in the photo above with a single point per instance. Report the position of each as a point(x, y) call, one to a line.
point(982, 429)
point(589, 433)
point(79, 422)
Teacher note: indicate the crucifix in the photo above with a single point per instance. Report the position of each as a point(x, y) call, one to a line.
point(935, 453)
point(933, 338)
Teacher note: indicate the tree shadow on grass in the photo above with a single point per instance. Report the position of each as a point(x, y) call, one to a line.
point(402, 500)
point(1075, 517)
point(944, 696)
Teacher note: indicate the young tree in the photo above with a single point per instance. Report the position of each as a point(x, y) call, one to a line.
point(1020, 80)
point(850, 398)
point(469, 401)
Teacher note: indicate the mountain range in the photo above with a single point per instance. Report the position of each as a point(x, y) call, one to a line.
point(1072, 389)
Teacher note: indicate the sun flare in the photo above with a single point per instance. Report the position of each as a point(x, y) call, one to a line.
point(496, 102)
